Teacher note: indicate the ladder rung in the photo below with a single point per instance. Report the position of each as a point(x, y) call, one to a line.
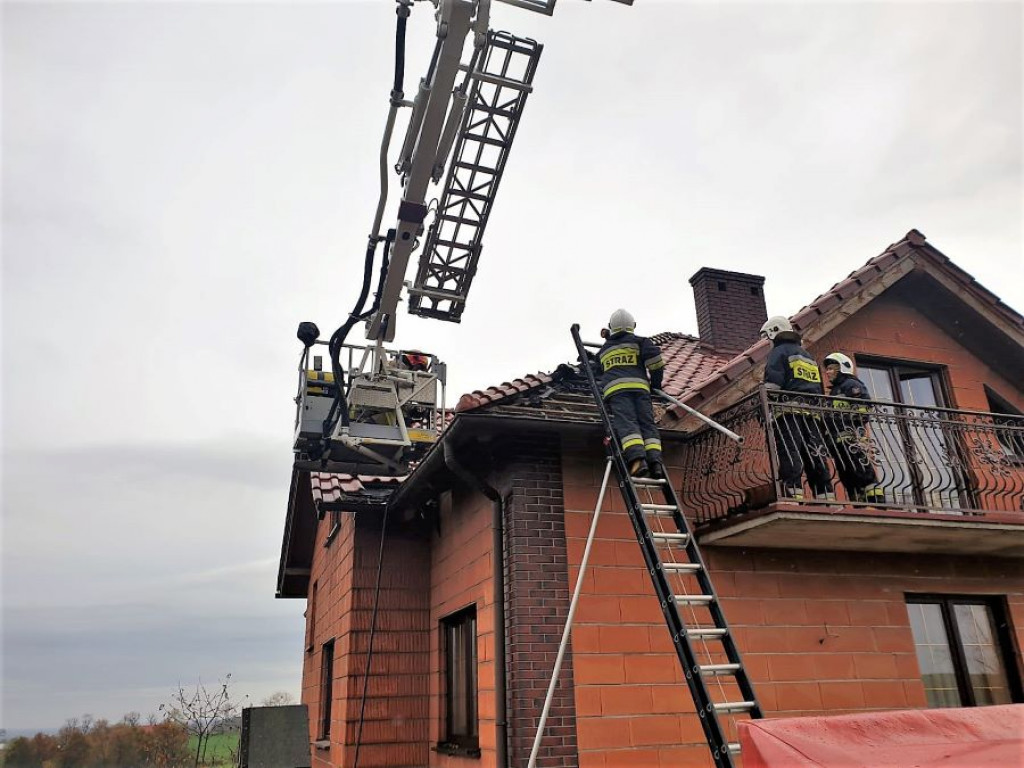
point(658, 507)
point(719, 669)
point(681, 567)
point(708, 632)
point(734, 706)
point(733, 747)
point(695, 599)
point(486, 140)
point(648, 480)
point(668, 538)
point(475, 167)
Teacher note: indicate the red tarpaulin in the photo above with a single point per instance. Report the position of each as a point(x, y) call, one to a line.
point(975, 737)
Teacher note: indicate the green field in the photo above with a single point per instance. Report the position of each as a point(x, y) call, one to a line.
point(219, 749)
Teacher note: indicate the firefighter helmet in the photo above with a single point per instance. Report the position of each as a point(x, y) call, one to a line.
point(620, 321)
point(845, 363)
point(776, 325)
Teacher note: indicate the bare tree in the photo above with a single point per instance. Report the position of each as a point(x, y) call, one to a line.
point(132, 719)
point(278, 699)
point(201, 712)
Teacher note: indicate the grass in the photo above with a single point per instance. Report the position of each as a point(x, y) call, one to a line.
point(218, 749)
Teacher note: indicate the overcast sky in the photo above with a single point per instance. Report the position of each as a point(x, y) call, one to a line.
point(184, 182)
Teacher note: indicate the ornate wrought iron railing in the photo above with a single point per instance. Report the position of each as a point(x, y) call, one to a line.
point(857, 453)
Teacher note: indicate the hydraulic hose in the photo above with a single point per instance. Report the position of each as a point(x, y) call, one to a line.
point(340, 405)
point(338, 338)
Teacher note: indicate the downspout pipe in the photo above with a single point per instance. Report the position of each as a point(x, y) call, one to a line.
point(498, 544)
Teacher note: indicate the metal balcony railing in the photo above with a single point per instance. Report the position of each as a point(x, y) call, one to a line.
point(890, 455)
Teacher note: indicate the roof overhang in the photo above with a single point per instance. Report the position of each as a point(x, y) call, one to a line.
point(789, 526)
point(299, 537)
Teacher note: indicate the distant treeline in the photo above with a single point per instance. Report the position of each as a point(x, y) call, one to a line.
point(88, 744)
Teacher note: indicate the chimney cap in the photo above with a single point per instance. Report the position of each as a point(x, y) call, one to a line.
point(705, 273)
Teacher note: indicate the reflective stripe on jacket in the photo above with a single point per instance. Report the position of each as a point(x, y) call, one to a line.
point(629, 362)
point(850, 414)
point(792, 369)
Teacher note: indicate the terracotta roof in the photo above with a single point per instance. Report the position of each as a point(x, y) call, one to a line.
point(329, 487)
point(687, 361)
point(913, 246)
point(479, 397)
point(564, 396)
point(695, 372)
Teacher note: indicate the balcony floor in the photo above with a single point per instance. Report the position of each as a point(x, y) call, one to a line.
point(804, 526)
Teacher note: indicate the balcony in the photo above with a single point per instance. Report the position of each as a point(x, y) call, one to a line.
point(944, 481)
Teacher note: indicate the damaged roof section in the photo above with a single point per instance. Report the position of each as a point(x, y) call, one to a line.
point(563, 395)
point(353, 493)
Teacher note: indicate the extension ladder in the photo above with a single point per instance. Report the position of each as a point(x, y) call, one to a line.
point(705, 647)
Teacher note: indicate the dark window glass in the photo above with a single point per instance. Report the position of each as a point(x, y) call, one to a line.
point(963, 651)
point(326, 688)
point(460, 675)
point(916, 456)
point(1008, 431)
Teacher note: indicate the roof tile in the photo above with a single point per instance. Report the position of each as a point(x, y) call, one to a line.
point(331, 486)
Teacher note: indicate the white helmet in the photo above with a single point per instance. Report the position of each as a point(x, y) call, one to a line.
point(776, 325)
point(845, 364)
point(621, 320)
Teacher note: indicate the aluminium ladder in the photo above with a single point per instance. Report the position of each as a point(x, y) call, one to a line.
point(705, 647)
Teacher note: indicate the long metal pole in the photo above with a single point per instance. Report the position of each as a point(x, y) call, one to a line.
point(709, 421)
point(568, 620)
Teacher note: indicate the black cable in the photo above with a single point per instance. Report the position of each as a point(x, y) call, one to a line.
point(338, 339)
point(373, 633)
point(340, 405)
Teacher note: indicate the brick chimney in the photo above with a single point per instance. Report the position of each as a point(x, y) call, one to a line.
point(730, 308)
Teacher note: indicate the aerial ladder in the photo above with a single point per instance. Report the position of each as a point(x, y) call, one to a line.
point(374, 410)
point(369, 409)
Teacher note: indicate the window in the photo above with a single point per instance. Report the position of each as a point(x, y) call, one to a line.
point(963, 650)
point(917, 456)
point(460, 681)
point(1008, 433)
point(326, 688)
point(311, 619)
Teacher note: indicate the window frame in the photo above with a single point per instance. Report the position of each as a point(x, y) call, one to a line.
point(326, 690)
point(463, 620)
point(897, 370)
point(1003, 640)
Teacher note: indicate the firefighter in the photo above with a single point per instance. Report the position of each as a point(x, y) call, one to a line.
point(847, 429)
point(630, 366)
point(798, 435)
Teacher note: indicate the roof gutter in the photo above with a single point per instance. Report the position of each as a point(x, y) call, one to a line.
point(498, 580)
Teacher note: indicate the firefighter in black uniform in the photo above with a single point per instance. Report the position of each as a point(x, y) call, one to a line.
point(630, 366)
point(798, 434)
point(847, 430)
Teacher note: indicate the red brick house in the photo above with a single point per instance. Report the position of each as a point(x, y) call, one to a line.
point(837, 606)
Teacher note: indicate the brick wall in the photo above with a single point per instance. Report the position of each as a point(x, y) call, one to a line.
point(332, 572)
point(395, 728)
point(538, 593)
point(887, 327)
point(460, 576)
point(820, 633)
point(730, 308)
